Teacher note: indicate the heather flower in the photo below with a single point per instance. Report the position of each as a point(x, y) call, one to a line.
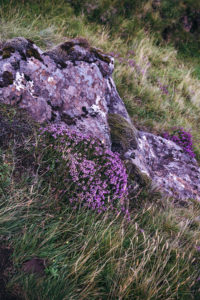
point(112, 53)
point(89, 174)
point(131, 62)
point(181, 138)
point(163, 88)
point(131, 52)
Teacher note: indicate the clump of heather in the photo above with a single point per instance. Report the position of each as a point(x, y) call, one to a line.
point(163, 88)
point(181, 138)
point(83, 171)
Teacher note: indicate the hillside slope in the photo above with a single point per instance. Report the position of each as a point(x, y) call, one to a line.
point(52, 251)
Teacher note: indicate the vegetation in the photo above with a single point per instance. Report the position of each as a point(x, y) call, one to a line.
point(91, 255)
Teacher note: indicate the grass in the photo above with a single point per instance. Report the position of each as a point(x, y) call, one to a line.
point(102, 257)
point(90, 257)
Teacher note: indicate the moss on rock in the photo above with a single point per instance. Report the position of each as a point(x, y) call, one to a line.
point(7, 78)
point(33, 52)
point(102, 56)
point(77, 41)
point(135, 174)
point(7, 52)
point(123, 134)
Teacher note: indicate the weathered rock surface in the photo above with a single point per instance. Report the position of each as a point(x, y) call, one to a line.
point(170, 169)
point(72, 84)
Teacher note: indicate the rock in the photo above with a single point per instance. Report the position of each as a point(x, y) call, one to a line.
point(34, 265)
point(171, 170)
point(72, 84)
point(68, 83)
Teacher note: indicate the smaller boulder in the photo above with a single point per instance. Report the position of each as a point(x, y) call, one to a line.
point(34, 265)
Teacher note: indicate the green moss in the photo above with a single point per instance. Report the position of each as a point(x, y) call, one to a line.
point(33, 52)
point(30, 41)
point(83, 42)
point(70, 50)
point(135, 174)
point(12, 113)
point(7, 52)
point(67, 46)
point(100, 55)
point(123, 135)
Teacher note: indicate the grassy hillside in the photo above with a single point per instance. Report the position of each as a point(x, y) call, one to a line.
point(89, 255)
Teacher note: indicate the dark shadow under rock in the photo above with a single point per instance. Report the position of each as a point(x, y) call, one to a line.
point(6, 267)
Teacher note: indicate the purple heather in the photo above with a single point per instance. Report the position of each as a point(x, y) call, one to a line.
point(181, 138)
point(98, 176)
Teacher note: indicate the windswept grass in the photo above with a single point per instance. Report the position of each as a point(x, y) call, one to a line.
point(92, 257)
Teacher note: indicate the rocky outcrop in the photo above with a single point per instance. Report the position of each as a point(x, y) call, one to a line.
point(72, 84)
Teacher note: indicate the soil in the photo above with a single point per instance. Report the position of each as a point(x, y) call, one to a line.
point(6, 268)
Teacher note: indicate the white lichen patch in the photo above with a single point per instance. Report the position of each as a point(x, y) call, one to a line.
point(108, 84)
point(152, 153)
point(50, 79)
point(142, 142)
point(96, 107)
point(19, 82)
point(29, 86)
point(111, 64)
point(38, 49)
point(112, 60)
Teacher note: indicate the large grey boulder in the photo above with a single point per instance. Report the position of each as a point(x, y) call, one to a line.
point(72, 84)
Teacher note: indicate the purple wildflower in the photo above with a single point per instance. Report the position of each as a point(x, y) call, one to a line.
point(181, 138)
point(97, 176)
point(163, 88)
